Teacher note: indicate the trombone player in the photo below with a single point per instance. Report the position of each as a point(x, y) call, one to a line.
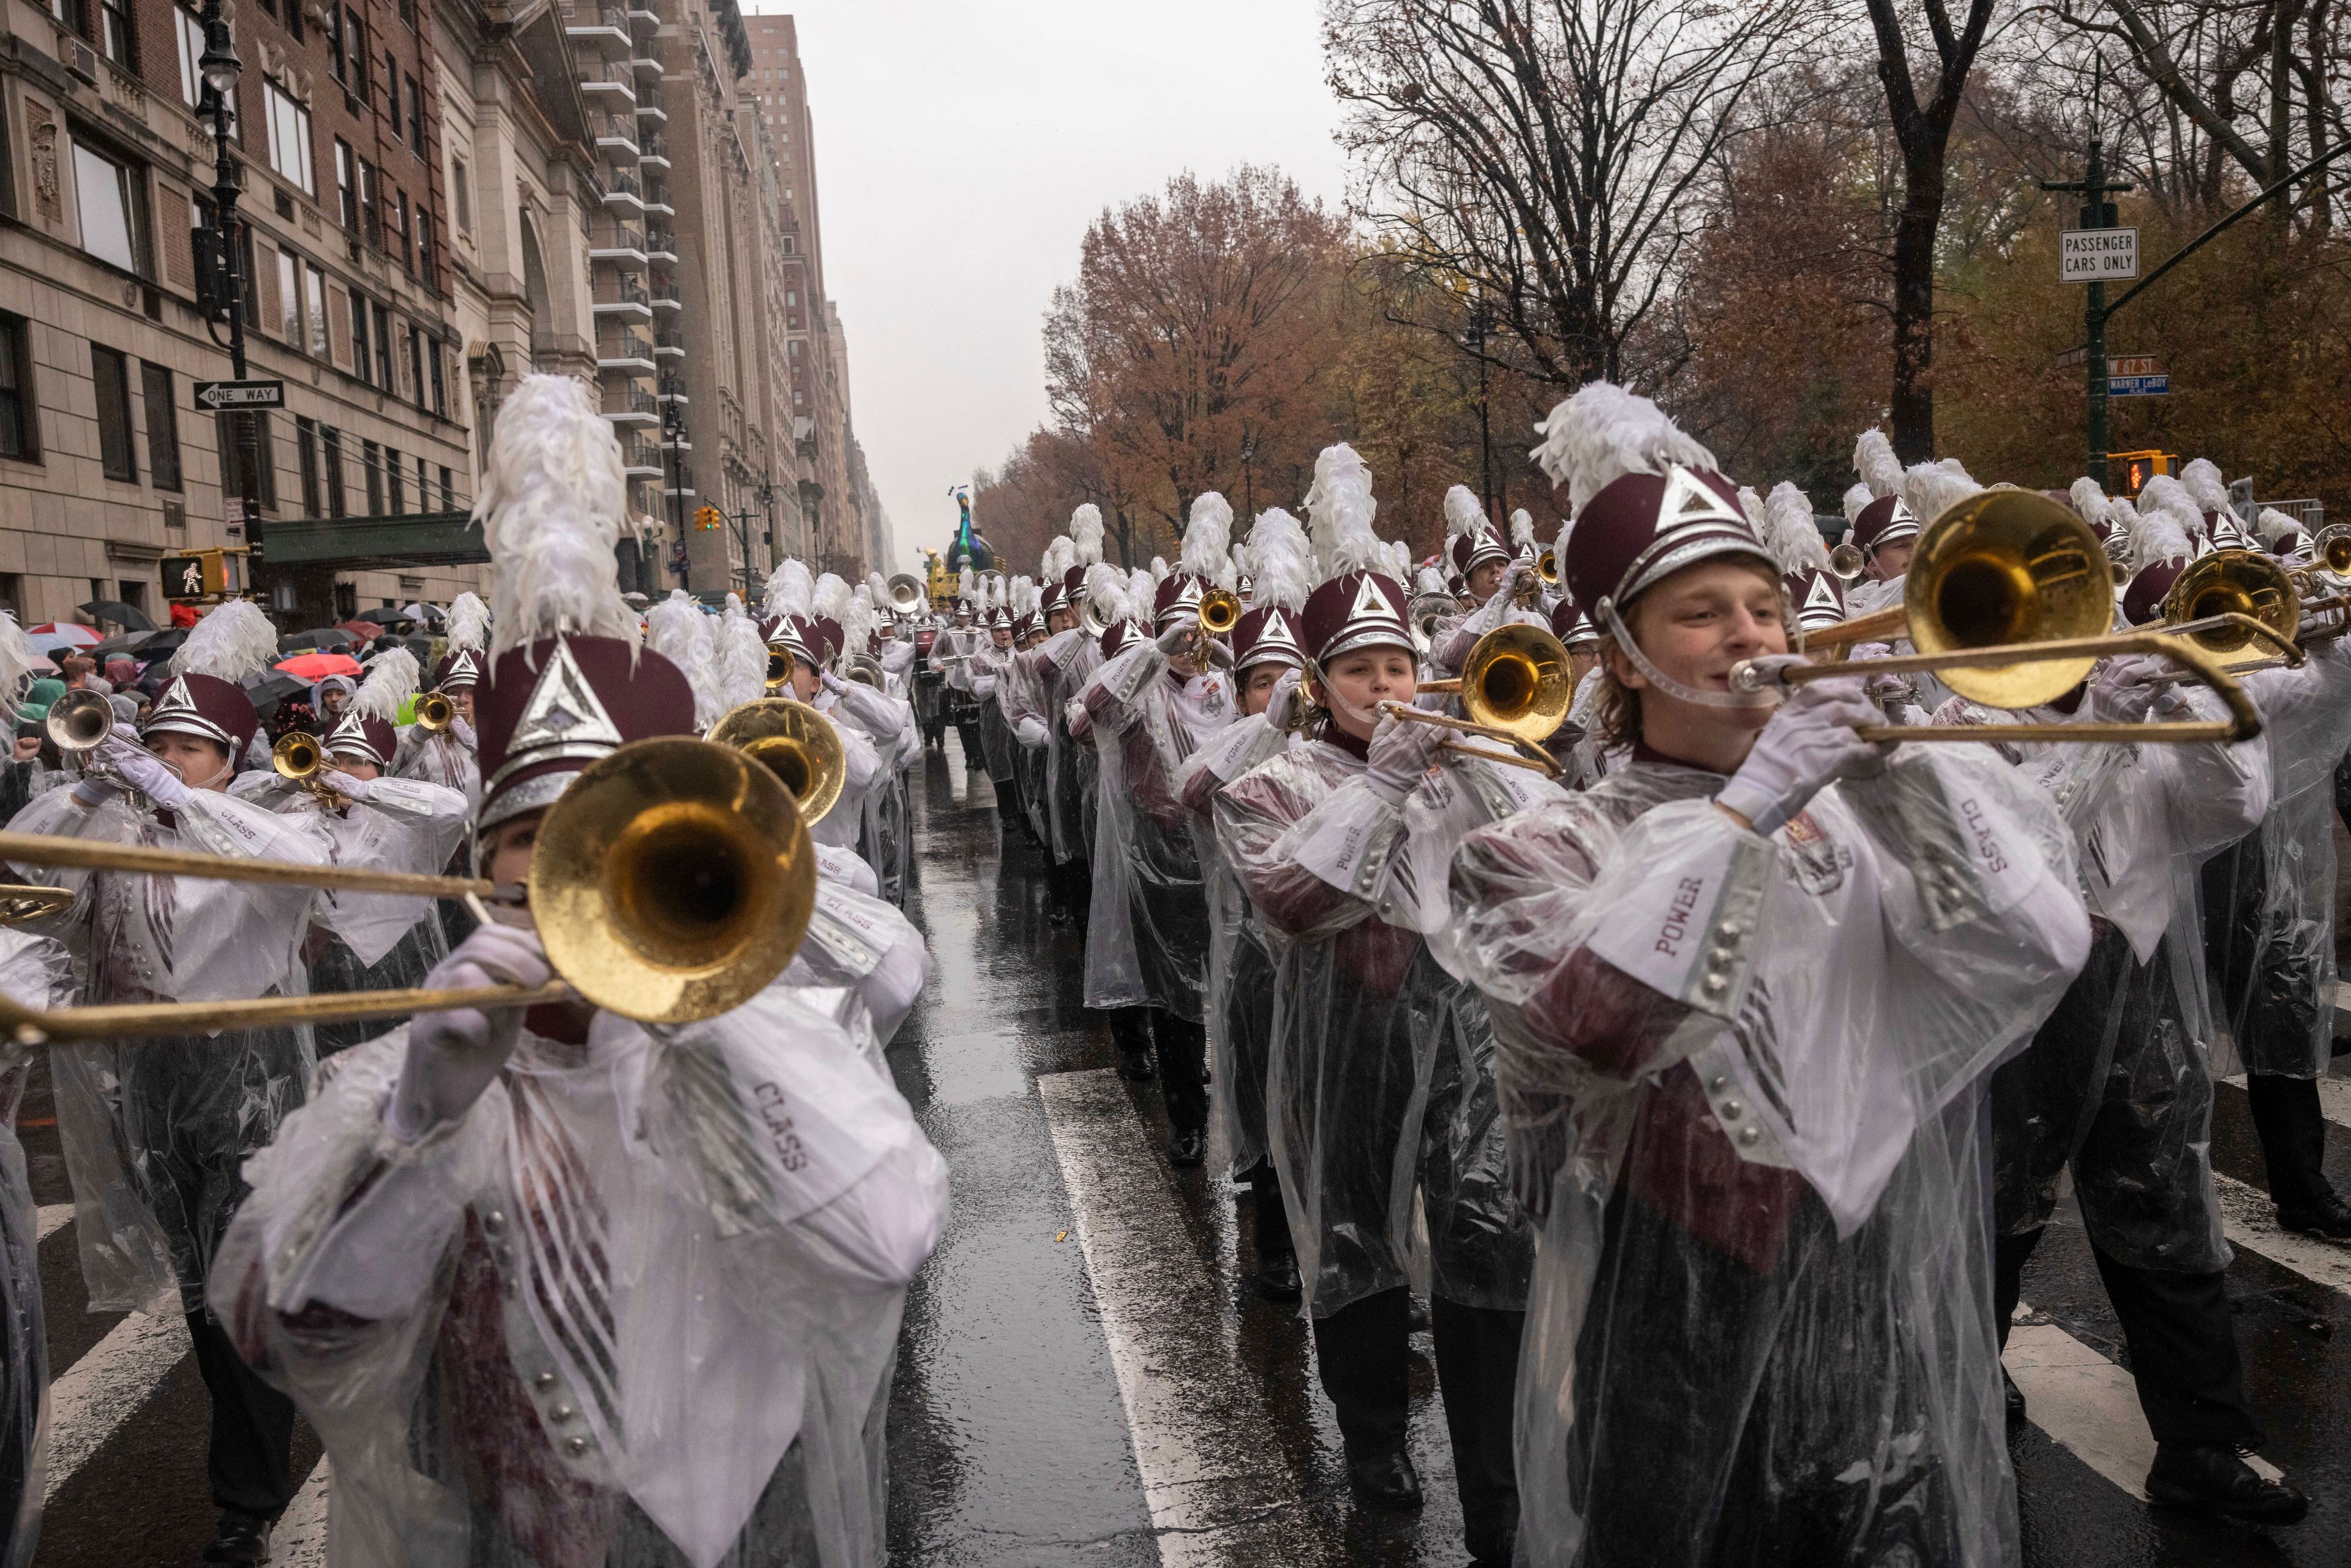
point(657, 1274)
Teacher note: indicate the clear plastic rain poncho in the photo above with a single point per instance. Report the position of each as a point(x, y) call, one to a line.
point(1148, 719)
point(2117, 1084)
point(1018, 694)
point(1059, 668)
point(155, 1130)
point(844, 826)
point(883, 816)
point(1240, 960)
point(862, 944)
point(1373, 1078)
point(371, 941)
point(1742, 1083)
point(2269, 900)
point(35, 972)
point(996, 743)
point(446, 759)
point(637, 1307)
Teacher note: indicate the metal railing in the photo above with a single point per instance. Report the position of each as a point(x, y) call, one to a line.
point(671, 338)
point(665, 292)
point(623, 290)
point(616, 236)
point(660, 240)
point(623, 184)
point(652, 144)
point(639, 453)
point(623, 346)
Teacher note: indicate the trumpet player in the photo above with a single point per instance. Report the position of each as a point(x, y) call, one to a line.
point(656, 1281)
point(445, 755)
point(996, 742)
point(1376, 1082)
point(794, 631)
point(156, 1132)
point(1152, 707)
point(1745, 990)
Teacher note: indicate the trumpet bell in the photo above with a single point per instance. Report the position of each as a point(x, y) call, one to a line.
point(674, 881)
point(907, 595)
point(779, 669)
point(1547, 568)
point(78, 720)
point(1846, 562)
point(1220, 612)
point(2248, 582)
point(434, 713)
point(297, 756)
point(1517, 680)
point(797, 744)
point(2332, 548)
point(2005, 567)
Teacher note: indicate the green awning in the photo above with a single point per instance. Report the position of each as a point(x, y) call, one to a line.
point(350, 544)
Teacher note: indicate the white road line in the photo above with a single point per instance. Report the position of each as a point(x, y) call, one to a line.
point(1217, 1490)
point(55, 1217)
point(2086, 1402)
point(91, 1399)
point(300, 1538)
point(2249, 1218)
point(2333, 1098)
point(958, 777)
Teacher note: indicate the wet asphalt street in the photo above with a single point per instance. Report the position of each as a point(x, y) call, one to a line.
point(1086, 1377)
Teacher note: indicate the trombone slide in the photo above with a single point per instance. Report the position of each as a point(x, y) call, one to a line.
point(126, 1021)
point(1529, 755)
point(88, 854)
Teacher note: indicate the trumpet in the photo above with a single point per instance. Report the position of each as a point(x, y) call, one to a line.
point(779, 669)
point(1547, 568)
point(796, 742)
point(671, 883)
point(434, 713)
point(1220, 612)
point(299, 759)
point(2009, 601)
point(77, 721)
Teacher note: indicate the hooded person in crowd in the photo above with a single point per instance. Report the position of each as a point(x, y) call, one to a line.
point(547, 1283)
point(1746, 990)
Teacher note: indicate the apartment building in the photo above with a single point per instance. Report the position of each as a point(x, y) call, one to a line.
point(106, 170)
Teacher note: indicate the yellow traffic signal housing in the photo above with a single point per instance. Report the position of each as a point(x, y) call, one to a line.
point(2136, 468)
point(707, 518)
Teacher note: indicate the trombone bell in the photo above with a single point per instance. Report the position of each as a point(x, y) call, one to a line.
point(2332, 548)
point(2005, 567)
point(673, 881)
point(798, 744)
point(1220, 612)
point(1517, 680)
point(2239, 581)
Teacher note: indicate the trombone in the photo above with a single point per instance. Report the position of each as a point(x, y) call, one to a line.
point(671, 883)
point(2009, 601)
point(796, 742)
point(1516, 686)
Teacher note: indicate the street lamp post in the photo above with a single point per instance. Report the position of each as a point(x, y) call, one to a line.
point(1476, 338)
point(221, 69)
point(766, 496)
point(673, 431)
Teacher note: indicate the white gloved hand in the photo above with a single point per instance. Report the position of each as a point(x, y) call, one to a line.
point(832, 681)
point(1289, 690)
point(1809, 744)
point(1401, 753)
point(464, 732)
point(2125, 687)
point(147, 773)
point(1218, 654)
point(1031, 731)
point(454, 1054)
point(94, 790)
point(1178, 639)
point(351, 786)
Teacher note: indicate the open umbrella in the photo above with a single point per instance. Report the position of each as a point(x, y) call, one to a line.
point(130, 617)
point(384, 617)
point(272, 687)
point(128, 642)
point(363, 631)
point(321, 637)
point(50, 633)
point(318, 666)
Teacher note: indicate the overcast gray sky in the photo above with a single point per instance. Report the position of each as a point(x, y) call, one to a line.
point(962, 147)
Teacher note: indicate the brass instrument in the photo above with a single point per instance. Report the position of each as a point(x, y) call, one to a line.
point(23, 901)
point(1517, 680)
point(671, 881)
point(907, 595)
point(77, 721)
point(796, 742)
point(1847, 561)
point(2008, 601)
point(1529, 756)
point(2235, 583)
point(1547, 568)
point(1089, 622)
point(779, 669)
point(1220, 612)
point(1529, 592)
point(1424, 613)
point(434, 713)
point(864, 669)
point(2332, 546)
point(301, 759)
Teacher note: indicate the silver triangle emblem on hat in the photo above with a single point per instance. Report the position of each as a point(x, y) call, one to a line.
point(1277, 630)
point(563, 711)
point(176, 702)
point(1371, 604)
point(1821, 595)
point(350, 728)
point(1689, 499)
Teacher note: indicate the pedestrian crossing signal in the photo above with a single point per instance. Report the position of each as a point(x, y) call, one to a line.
point(2136, 468)
point(707, 518)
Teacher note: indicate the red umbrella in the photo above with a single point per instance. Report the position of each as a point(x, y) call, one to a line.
point(318, 666)
point(365, 630)
point(49, 633)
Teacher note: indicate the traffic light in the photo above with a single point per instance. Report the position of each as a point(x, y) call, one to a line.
point(2136, 468)
point(707, 518)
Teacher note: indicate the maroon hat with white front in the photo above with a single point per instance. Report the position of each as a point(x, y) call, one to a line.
point(547, 711)
point(1570, 625)
point(2143, 599)
point(1476, 549)
point(460, 668)
point(1177, 599)
point(367, 738)
point(1643, 528)
point(1885, 521)
point(1356, 609)
point(1818, 596)
point(1268, 636)
point(1119, 637)
point(205, 707)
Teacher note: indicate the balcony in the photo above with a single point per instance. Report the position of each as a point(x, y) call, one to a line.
point(673, 391)
point(680, 483)
point(649, 105)
point(642, 458)
point(642, 61)
point(654, 148)
point(622, 298)
point(660, 245)
point(624, 351)
point(670, 342)
point(657, 201)
point(643, 15)
point(623, 194)
point(665, 295)
point(615, 136)
point(603, 88)
point(629, 403)
point(605, 27)
point(617, 241)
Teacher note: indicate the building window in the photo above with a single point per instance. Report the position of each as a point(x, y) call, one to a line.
point(118, 37)
point(162, 425)
point(331, 457)
point(464, 194)
point(416, 351)
point(439, 392)
point(109, 194)
point(362, 365)
point(408, 12)
point(290, 300)
point(191, 48)
point(384, 351)
point(289, 137)
point(397, 231)
point(353, 55)
point(19, 421)
point(111, 372)
point(371, 209)
point(391, 92)
point(393, 477)
point(415, 116)
point(306, 454)
point(425, 273)
point(316, 302)
point(346, 190)
point(371, 474)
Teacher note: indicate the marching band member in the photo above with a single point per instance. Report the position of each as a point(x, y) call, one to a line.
point(1745, 988)
point(996, 743)
point(885, 828)
point(1479, 560)
point(1500, 580)
point(1152, 707)
point(35, 972)
point(1368, 1086)
point(1057, 669)
point(446, 759)
point(792, 629)
point(155, 1131)
point(952, 656)
point(546, 1283)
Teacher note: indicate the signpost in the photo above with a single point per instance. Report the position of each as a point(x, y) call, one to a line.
point(2097, 254)
point(2096, 246)
point(216, 396)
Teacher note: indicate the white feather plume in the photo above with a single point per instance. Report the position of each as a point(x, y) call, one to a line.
point(1141, 595)
point(1339, 503)
point(742, 656)
point(1856, 500)
point(1522, 530)
point(678, 630)
point(2274, 525)
point(1463, 514)
point(1874, 460)
point(1086, 535)
point(553, 505)
point(233, 641)
point(16, 657)
point(1281, 563)
point(1158, 568)
point(2089, 498)
point(392, 677)
point(1430, 581)
point(878, 586)
point(790, 591)
point(1929, 489)
point(860, 621)
point(1603, 432)
point(831, 597)
point(1208, 536)
point(1060, 556)
point(1788, 531)
point(2206, 487)
point(467, 624)
point(2165, 493)
point(2159, 536)
point(1750, 503)
point(1105, 590)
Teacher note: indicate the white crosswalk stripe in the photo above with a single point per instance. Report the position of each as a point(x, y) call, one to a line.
point(301, 1539)
point(2249, 1218)
point(91, 1399)
point(54, 1217)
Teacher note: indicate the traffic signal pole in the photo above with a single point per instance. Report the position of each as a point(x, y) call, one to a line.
point(2097, 213)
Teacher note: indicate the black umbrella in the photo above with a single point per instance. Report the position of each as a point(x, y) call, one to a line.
point(383, 617)
point(272, 686)
point(129, 642)
point(323, 637)
point(130, 617)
